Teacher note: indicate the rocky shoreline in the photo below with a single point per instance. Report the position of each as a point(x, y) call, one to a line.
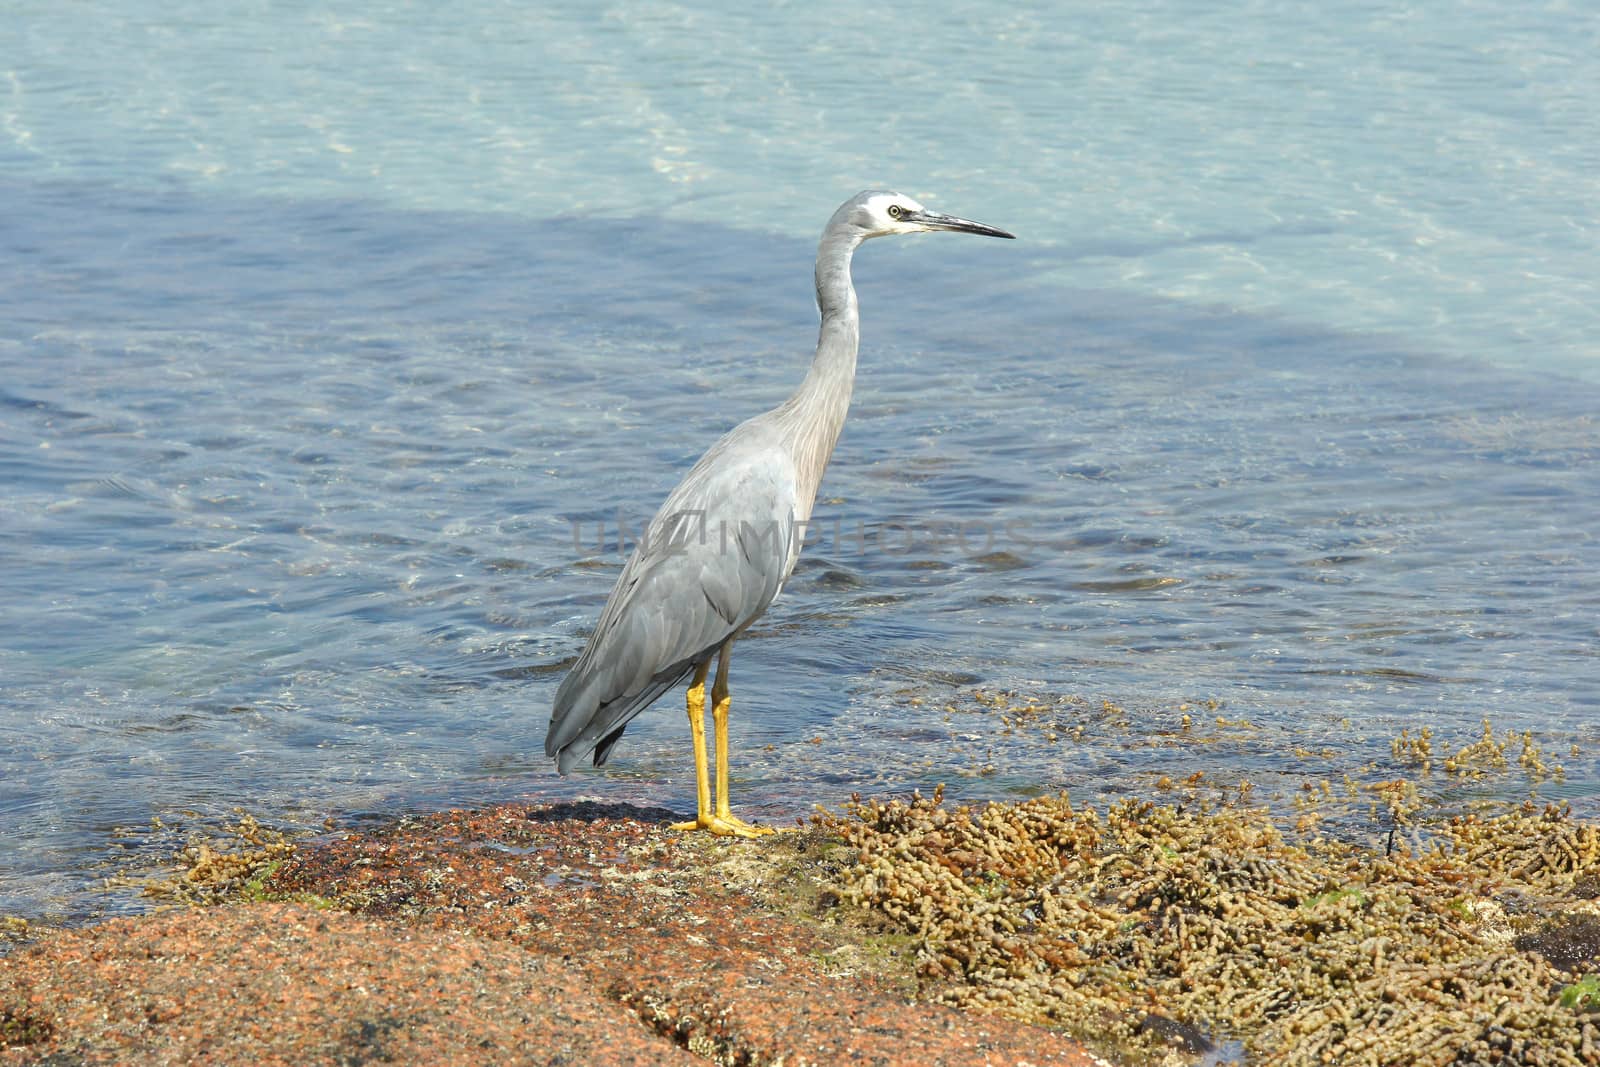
point(567, 934)
point(1379, 923)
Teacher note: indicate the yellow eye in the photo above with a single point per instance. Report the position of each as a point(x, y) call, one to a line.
point(895, 211)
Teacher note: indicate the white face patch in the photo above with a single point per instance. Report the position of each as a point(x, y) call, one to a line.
point(878, 208)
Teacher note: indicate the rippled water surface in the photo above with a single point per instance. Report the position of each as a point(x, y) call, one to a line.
point(334, 351)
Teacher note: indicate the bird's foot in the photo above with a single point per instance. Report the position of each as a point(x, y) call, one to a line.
point(725, 826)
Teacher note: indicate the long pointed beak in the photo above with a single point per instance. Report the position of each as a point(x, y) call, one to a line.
point(933, 220)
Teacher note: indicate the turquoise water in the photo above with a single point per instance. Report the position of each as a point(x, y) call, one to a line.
point(331, 343)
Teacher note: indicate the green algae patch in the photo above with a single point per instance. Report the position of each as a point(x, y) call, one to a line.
point(1127, 926)
point(15, 928)
point(235, 865)
point(1582, 994)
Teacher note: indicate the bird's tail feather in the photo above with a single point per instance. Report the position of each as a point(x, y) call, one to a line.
point(581, 724)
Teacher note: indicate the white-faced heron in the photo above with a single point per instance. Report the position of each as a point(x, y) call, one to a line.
point(719, 550)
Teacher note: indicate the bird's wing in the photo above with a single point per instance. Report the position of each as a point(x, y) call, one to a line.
point(715, 557)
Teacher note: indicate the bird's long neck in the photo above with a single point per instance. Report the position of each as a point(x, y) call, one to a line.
point(815, 414)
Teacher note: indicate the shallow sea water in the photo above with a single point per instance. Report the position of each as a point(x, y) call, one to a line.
point(327, 378)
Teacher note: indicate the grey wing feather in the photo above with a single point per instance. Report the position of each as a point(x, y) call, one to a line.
point(716, 556)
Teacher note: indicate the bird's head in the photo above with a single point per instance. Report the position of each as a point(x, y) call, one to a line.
point(880, 213)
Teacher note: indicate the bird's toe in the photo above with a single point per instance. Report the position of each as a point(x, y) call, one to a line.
point(724, 826)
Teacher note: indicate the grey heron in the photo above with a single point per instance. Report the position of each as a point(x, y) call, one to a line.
point(720, 548)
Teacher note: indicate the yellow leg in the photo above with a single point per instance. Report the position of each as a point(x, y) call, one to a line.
point(720, 701)
point(697, 728)
point(723, 822)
